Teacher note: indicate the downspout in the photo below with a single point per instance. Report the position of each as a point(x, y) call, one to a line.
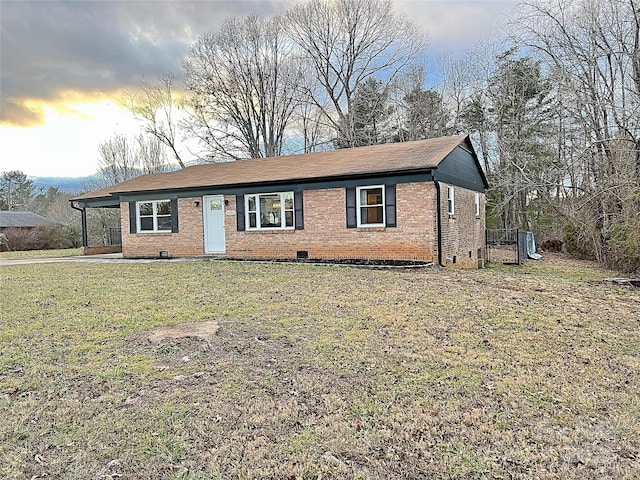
point(83, 210)
point(439, 220)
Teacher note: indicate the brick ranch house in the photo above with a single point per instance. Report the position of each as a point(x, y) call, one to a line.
point(412, 201)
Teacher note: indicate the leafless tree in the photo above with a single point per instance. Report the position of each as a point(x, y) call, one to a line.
point(593, 50)
point(243, 84)
point(151, 155)
point(398, 90)
point(595, 47)
point(60, 211)
point(466, 76)
point(122, 159)
point(309, 123)
point(154, 105)
point(117, 161)
point(348, 42)
point(313, 129)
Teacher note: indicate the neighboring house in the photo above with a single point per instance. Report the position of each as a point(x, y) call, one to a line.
point(12, 222)
point(24, 220)
point(412, 201)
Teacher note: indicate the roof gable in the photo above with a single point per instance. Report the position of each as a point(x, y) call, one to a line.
point(461, 167)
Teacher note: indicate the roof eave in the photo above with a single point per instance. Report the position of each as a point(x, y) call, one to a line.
point(310, 180)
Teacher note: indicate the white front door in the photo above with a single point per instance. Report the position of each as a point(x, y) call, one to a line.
point(214, 238)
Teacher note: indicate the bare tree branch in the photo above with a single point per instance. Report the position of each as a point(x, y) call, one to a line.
point(154, 105)
point(348, 42)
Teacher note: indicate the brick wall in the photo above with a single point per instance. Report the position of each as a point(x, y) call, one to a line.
point(100, 250)
point(325, 235)
point(463, 233)
point(187, 242)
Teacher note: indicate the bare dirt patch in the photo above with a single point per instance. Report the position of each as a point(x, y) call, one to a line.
point(172, 334)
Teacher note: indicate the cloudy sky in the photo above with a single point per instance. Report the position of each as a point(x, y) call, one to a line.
point(65, 64)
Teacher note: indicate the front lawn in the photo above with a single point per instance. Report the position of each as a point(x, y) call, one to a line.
point(319, 372)
point(24, 254)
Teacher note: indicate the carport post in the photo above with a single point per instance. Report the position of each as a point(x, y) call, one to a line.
point(85, 236)
point(83, 210)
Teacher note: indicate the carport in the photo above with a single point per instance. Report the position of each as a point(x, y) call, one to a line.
point(113, 238)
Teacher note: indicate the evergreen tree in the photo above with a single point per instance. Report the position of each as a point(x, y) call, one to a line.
point(368, 116)
point(521, 114)
point(426, 116)
point(16, 190)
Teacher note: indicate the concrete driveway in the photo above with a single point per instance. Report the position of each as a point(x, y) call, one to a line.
point(104, 258)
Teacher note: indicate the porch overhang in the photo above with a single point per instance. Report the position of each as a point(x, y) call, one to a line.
point(101, 202)
point(98, 202)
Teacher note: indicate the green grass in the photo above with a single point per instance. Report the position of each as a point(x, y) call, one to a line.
point(20, 255)
point(318, 371)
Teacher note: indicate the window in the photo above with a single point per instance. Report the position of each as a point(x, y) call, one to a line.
point(154, 216)
point(477, 204)
point(370, 206)
point(451, 202)
point(269, 210)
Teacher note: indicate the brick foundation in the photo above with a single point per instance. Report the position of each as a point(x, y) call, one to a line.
point(100, 250)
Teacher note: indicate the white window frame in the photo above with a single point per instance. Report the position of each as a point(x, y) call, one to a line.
point(477, 204)
point(283, 210)
point(359, 206)
point(451, 201)
point(154, 215)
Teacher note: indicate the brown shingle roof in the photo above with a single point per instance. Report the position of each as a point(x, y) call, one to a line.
point(386, 158)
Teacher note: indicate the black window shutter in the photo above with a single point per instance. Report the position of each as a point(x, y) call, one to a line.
point(298, 205)
point(240, 212)
point(390, 204)
point(174, 215)
point(352, 219)
point(132, 217)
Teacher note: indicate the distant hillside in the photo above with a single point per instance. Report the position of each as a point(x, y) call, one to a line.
point(65, 184)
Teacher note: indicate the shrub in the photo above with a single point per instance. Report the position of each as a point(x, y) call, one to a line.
point(617, 247)
point(42, 237)
point(49, 237)
point(21, 239)
point(623, 247)
point(552, 245)
point(577, 243)
point(73, 236)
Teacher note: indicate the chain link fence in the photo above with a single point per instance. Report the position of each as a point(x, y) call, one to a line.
point(509, 245)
